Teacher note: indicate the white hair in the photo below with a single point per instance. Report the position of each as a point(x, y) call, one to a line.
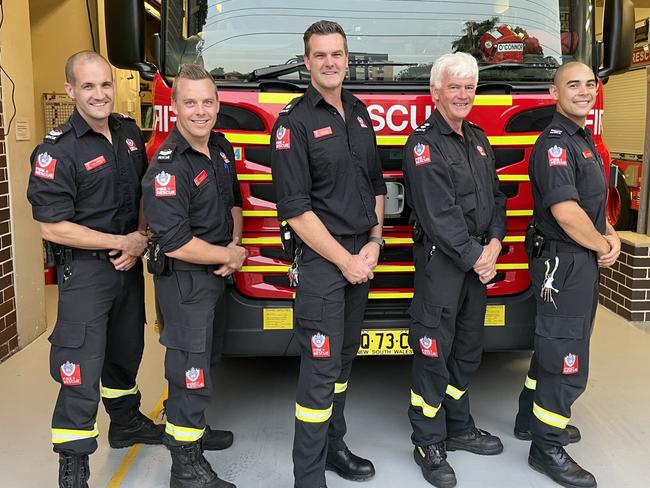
point(461, 65)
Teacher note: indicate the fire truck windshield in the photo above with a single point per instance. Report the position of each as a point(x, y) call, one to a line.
point(388, 40)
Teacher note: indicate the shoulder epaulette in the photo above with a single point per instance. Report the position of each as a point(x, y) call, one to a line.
point(555, 133)
point(291, 105)
point(475, 126)
point(423, 128)
point(165, 153)
point(122, 116)
point(55, 134)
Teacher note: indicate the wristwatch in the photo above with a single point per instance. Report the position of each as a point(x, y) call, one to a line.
point(377, 240)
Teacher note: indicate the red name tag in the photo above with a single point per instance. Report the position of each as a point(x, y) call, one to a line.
point(95, 163)
point(325, 131)
point(320, 346)
point(200, 178)
point(587, 154)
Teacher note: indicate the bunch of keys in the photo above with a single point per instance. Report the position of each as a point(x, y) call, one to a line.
point(293, 270)
point(547, 286)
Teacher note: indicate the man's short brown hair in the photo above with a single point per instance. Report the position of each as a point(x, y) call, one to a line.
point(81, 57)
point(324, 28)
point(191, 72)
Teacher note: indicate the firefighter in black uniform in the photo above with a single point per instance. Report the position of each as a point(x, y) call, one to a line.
point(84, 188)
point(193, 206)
point(569, 240)
point(452, 187)
point(328, 180)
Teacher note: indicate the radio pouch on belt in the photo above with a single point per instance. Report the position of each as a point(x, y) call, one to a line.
point(157, 262)
point(534, 242)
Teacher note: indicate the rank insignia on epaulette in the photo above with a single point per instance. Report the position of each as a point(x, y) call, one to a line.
point(555, 132)
point(165, 154)
point(56, 133)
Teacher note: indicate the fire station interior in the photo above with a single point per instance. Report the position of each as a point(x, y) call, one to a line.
point(254, 396)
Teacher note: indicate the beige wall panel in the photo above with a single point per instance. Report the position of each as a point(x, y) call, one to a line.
point(28, 257)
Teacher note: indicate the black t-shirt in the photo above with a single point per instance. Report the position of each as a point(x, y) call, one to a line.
point(323, 163)
point(565, 165)
point(186, 194)
point(79, 176)
point(452, 185)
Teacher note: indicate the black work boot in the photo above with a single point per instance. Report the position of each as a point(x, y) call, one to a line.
point(134, 428)
point(558, 465)
point(572, 430)
point(432, 460)
point(74, 470)
point(477, 441)
point(216, 440)
point(349, 466)
point(191, 470)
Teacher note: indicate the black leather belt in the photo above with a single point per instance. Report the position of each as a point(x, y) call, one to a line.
point(178, 265)
point(87, 254)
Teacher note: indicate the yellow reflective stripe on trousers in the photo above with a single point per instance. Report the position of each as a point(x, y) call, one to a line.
point(340, 387)
point(67, 435)
point(313, 415)
point(454, 392)
point(550, 418)
point(115, 393)
point(183, 434)
point(530, 383)
point(427, 410)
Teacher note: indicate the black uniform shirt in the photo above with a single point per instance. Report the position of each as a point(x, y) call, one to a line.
point(325, 164)
point(452, 185)
point(78, 176)
point(186, 194)
point(564, 165)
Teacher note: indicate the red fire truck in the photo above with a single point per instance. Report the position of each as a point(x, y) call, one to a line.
point(255, 51)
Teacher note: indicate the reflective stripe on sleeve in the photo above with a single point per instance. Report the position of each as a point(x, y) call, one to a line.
point(340, 387)
point(183, 434)
point(313, 415)
point(454, 392)
point(427, 410)
point(550, 418)
point(530, 383)
point(67, 435)
point(116, 393)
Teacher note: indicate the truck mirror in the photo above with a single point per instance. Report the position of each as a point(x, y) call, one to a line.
point(618, 37)
point(125, 36)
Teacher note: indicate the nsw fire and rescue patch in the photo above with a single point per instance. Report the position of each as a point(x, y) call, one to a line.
point(200, 178)
point(282, 138)
point(557, 156)
point(481, 151)
point(362, 122)
point(570, 364)
point(194, 378)
point(131, 144)
point(70, 374)
point(428, 347)
point(325, 131)
point(95, 163)
point(320, 345)
point(165, 185)
point(45, 166)
point(421, 154)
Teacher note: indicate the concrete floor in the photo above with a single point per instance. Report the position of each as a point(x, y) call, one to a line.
point(255, 399)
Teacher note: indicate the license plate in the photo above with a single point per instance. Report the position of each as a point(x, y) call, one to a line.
point(384, 342)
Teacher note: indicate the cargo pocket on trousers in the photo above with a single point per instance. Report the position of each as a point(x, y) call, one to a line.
point(184, 339)
point(66, 356)
point(316, 328)
point(424, 333)
point(560, 344)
